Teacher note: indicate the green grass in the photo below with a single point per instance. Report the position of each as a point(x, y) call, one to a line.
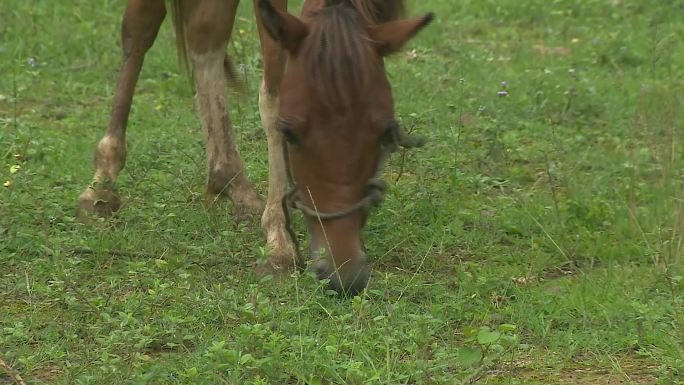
point(536, 239)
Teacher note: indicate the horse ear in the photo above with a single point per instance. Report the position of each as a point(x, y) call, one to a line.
point(283, 27)
point(391, 36)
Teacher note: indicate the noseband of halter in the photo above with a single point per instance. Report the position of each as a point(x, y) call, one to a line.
point(393, 138)
point(375, 192)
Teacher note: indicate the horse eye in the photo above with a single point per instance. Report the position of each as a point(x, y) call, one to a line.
point(387, 136)
point(288, 133)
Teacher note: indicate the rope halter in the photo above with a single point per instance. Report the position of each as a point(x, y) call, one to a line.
point(393, 138)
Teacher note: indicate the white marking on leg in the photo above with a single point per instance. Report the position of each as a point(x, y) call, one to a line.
point(109, 159)
point(273, 220)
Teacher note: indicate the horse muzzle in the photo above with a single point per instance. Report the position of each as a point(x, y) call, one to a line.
point(347, 279)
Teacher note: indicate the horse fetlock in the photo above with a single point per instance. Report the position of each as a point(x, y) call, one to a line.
point(223, 180)
point(278, 239)
point(282, 261)
point(273, 220)
point(110, 156)
point(246, 200)
point(219, 179)
point(283, 253)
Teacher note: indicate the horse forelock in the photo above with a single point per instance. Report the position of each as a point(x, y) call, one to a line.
point(338, 55)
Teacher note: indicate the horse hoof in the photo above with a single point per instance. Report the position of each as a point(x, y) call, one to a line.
point(98, 203)
point(279, 264)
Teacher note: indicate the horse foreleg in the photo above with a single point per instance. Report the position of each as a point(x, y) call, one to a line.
point(139, 28)
point(282, 254)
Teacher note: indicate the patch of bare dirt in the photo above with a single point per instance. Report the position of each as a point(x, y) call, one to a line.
point(622, 371)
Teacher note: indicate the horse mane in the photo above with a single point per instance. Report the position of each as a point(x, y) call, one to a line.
point(338, 54)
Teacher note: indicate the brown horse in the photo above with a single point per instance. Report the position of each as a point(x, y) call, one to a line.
point(325, 103)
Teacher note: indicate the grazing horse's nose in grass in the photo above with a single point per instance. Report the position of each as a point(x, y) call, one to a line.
point(349, 279)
